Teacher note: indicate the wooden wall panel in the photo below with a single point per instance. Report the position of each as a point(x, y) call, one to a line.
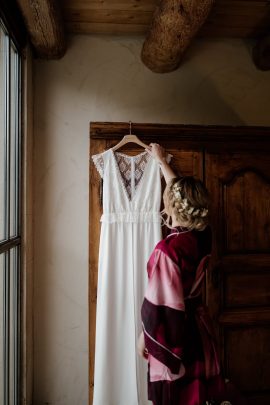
point(233, 210)
point(248, 346)
point(257, 214)
point(238, 295)
point(187, 163)
point(250, 290)
point(234, 162)
point(247, 209)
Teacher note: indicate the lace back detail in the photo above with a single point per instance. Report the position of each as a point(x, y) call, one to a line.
point(131, 169)
point(140, 163)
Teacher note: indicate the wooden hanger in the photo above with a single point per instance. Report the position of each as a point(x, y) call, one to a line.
point(129, 138)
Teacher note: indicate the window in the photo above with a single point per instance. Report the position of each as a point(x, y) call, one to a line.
point(10, 217)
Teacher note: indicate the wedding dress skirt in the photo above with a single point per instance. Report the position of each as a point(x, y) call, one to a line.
point(130, 229)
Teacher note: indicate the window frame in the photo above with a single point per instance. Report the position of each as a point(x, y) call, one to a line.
point(11, 277)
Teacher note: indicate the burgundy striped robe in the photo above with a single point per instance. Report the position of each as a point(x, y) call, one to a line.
point(183, 366)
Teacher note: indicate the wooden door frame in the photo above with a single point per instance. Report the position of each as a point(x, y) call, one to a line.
point(207, 138)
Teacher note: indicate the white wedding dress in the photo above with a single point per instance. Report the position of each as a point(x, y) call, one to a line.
point(130, 229)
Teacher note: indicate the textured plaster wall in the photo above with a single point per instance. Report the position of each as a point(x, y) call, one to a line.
point(102, 78)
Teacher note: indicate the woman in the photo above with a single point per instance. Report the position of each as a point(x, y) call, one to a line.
point(177, 338)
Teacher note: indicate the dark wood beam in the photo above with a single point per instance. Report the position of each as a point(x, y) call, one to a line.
point(261, 53)
point(45, 27)
point(174, 24)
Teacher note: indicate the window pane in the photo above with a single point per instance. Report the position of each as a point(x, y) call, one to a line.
point(2, 133)
point(13, 336)
point(14, 90)
point(2, 264)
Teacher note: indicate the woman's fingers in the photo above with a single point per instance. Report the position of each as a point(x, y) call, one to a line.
point(154, 147)
point(145, 353)
point(141, 349)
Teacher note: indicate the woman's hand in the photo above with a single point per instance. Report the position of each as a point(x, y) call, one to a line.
point(142, 351)
point(157, 151)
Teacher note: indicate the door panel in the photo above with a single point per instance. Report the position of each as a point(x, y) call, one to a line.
point(250, 290)
point(247, 208)
point(252, 345)
point(238, 283)
point(186, 162)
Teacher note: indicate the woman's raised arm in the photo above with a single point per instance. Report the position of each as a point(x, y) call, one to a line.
point(159, 153)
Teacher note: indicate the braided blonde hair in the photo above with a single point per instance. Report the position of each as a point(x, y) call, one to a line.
point(188, 200)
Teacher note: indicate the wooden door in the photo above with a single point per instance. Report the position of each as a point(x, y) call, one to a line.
point(238, 286)
point(186, 161)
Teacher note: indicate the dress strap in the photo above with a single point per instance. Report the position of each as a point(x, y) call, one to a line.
point(98, 161)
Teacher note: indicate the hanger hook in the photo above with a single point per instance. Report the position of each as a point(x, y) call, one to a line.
point(129, 127)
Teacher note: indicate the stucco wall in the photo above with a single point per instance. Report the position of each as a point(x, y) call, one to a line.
point(102, 78)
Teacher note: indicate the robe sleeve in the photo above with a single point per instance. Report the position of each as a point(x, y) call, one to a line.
point(99, 163)
point(163, 311)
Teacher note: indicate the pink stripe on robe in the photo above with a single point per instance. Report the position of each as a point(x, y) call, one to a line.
point(165, 285)
point(165, 290)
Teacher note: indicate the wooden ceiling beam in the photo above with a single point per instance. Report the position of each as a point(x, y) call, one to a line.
point(174, 24)
point(261, 53)
point(44, 23)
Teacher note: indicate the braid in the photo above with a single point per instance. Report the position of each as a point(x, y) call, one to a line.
point(188, 200)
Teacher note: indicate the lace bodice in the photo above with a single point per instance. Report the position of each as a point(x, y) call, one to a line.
point(131, 186)
point(127, 165)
